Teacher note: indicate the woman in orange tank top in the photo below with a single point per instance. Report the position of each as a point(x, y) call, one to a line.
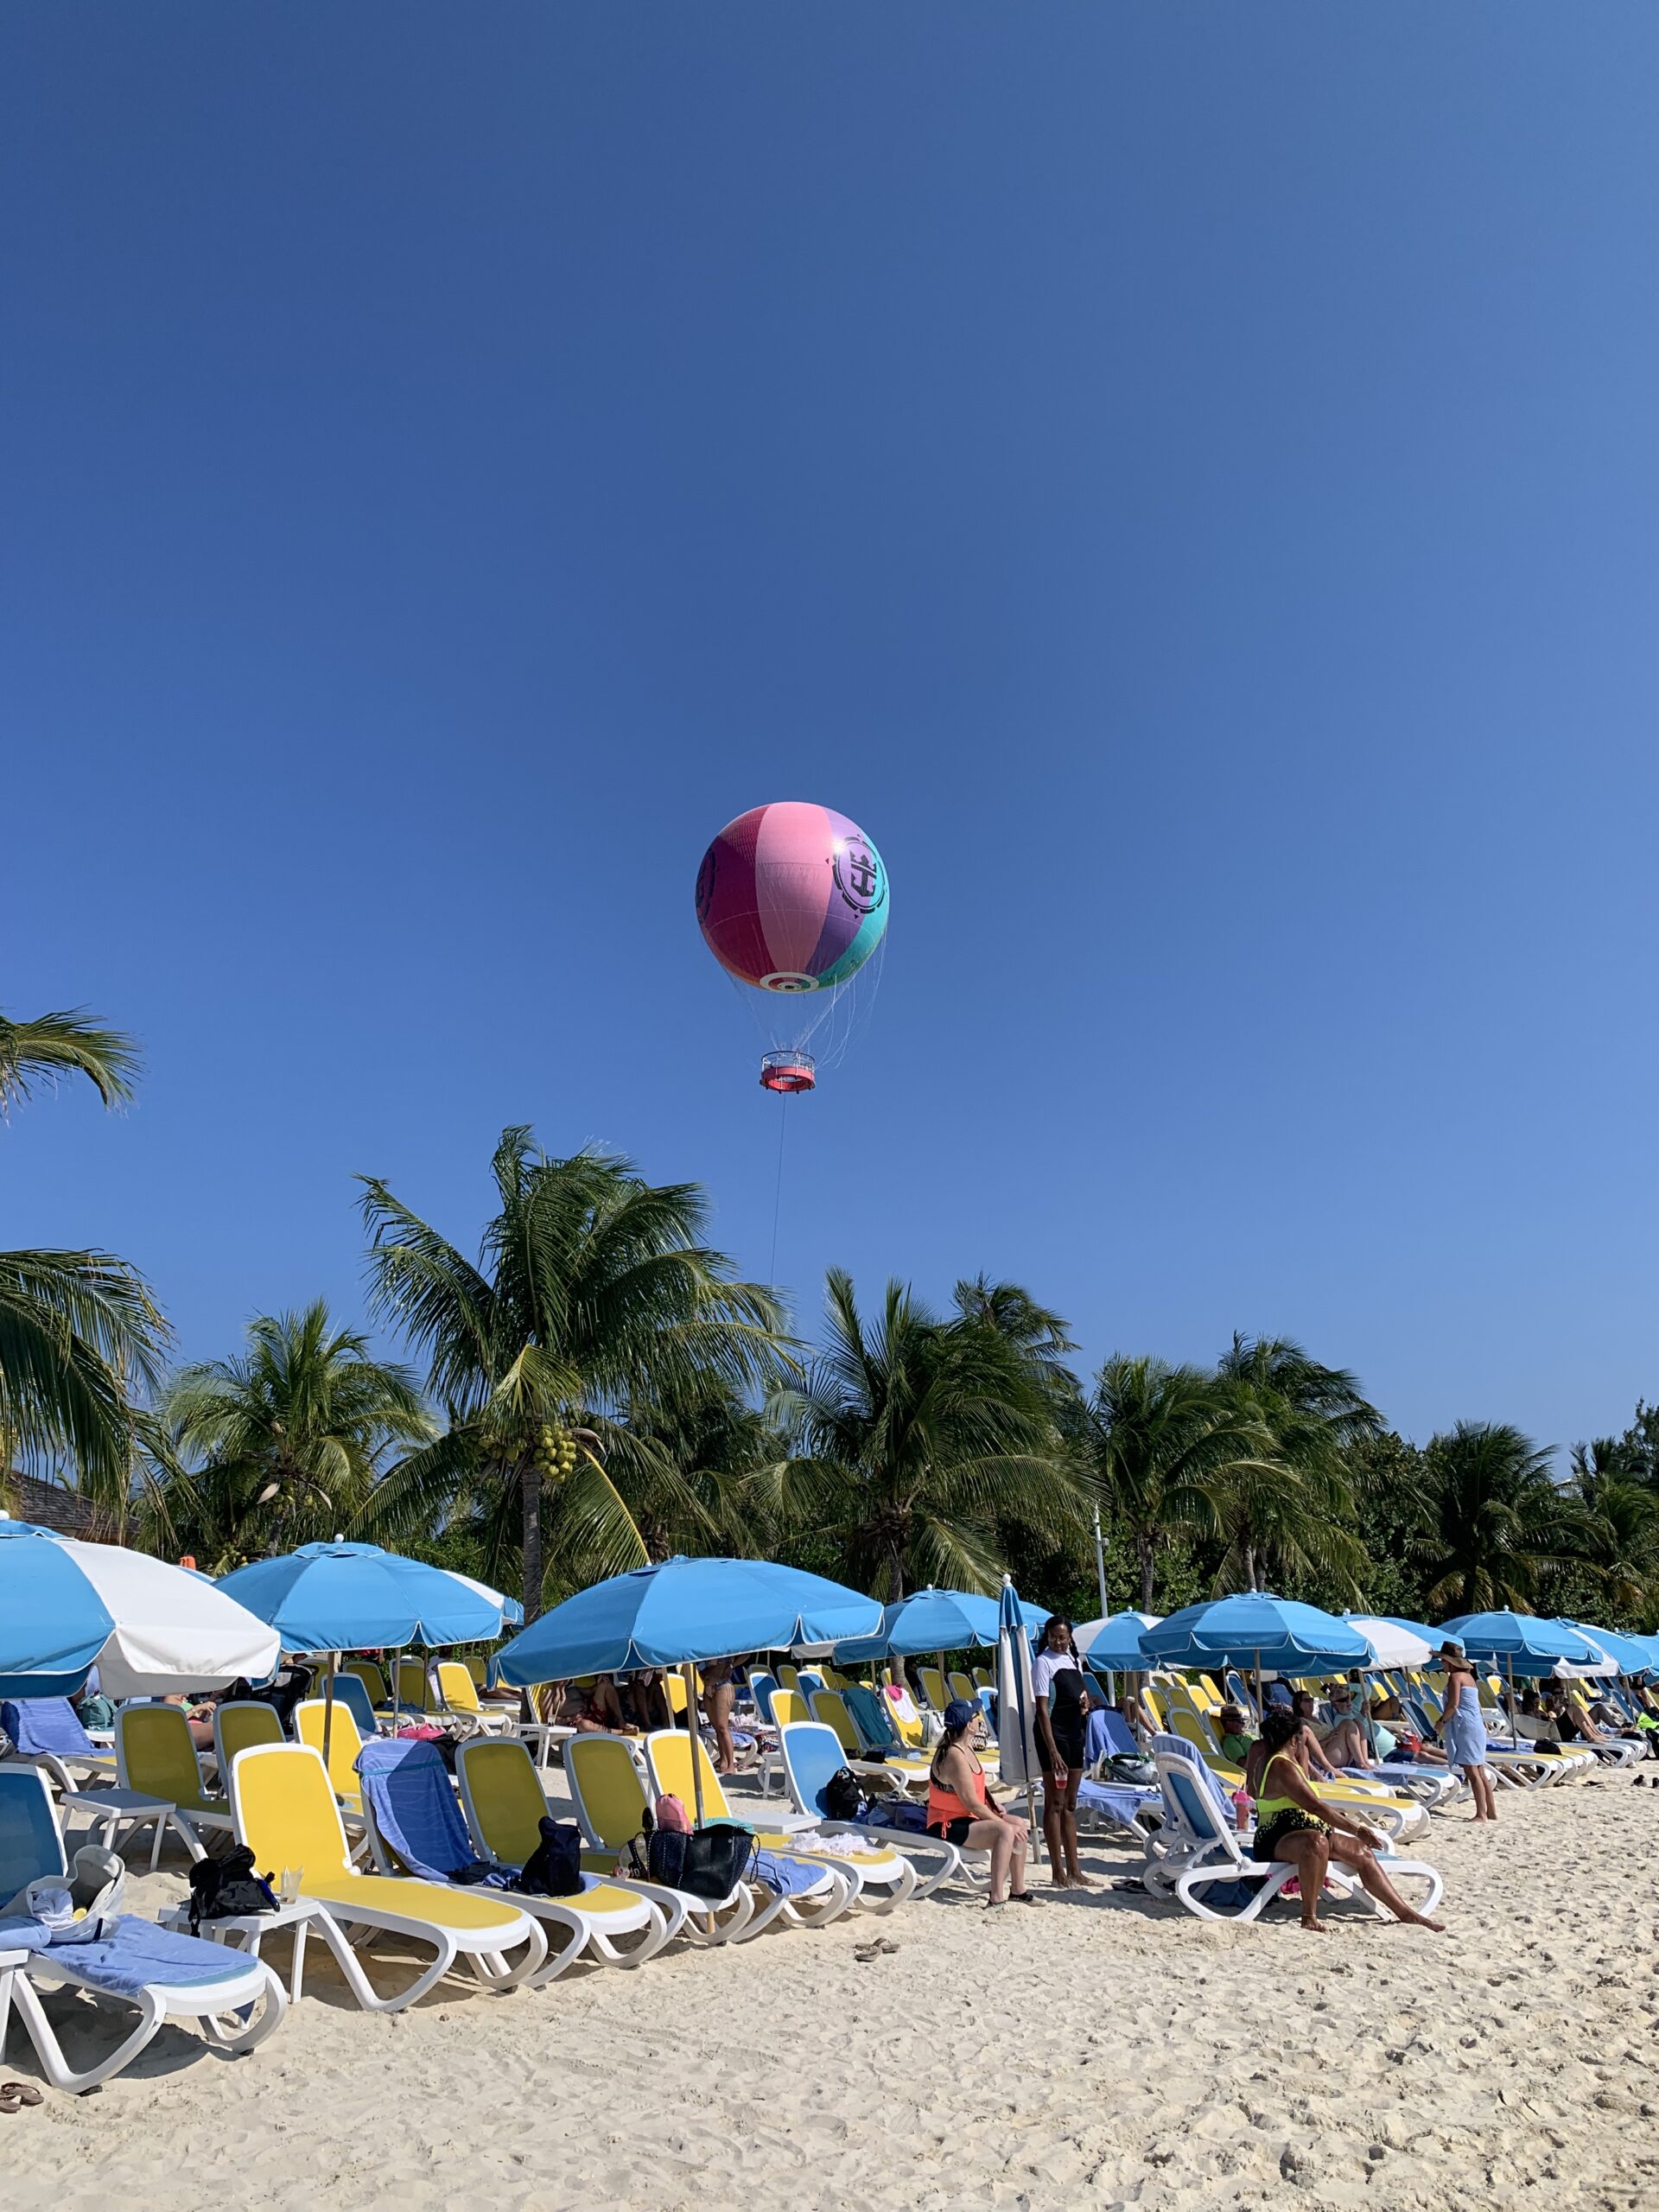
point(961, 1810)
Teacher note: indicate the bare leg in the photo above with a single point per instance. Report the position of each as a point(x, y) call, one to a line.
point(998, 1837)
point(1481, 1782)
point(1017, 1847)
point(1348, 1851)
point(1068, 1836)
point(1054, 1834)
point(1309, 1853)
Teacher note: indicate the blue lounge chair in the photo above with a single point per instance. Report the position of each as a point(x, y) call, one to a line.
point(812, 1752)
point(236, 2002)
point(48, 1731)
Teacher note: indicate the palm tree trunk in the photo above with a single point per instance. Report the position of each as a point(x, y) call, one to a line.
point(529, 1492)
point(1250, 1565)
point(1143, 1549)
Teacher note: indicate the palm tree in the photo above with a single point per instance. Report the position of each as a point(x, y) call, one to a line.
point(56, 1044)
point(1606, 1481)
point(284, 1444)
point(1160, 1441)
point(1287, 1509)
point(1496, 1528)
point(81, 1341)
point(915, 1436)
point(592, 1289)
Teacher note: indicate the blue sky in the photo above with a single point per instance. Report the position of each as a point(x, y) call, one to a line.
point(1182, 477)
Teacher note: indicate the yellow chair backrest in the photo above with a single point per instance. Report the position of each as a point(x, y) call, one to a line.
point(675, 1685)
point(154, 1754)
point(961, 1685)
point(982, 1678)
point(1204, 1693)
point(832, 1680)
point(668, 1756)
point(285, 1811)
point(789, 1676)
point(1188, 1725)
point(455, 1687)
point(790, 1705)
point(933, 1689)
point(244, 1722)
point(901, 1711)
point(505, 1802)
point(478, 1669)
point(411, 1683)
point(344, 1741)
point(605, 1781)
point(370, 1677)
point(1154, 1706)
point(828, 1706)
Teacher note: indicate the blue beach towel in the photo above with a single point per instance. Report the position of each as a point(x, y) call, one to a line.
point(407, 1788)
point(133, 1954)
point(46, 1724)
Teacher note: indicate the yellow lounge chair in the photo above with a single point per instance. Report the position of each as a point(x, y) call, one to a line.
point(416, 1828)
point(933, 1688)
point(372, 1680)
point(458, 1693)
point(412, 1689)
point(608, 1792)
point(240, 1724)
point(960, 1684)
point(878, 1878)
point(156, 1755)
point(286, 1815)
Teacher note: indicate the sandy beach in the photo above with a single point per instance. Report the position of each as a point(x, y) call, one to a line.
point(1098, 2051)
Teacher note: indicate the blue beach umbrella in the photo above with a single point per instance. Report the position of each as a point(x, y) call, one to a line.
point(1114, 1644)
point(149, 1628)
point(684, 1611)
point(935, 1620)
point(343, 1597)
point(1631, 1654)
point(1278, 1635)
point(1521, 1642)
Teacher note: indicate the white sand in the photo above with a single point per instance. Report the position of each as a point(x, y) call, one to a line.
point(1094, 2053)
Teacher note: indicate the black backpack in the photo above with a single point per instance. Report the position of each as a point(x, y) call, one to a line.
point(841, 1797)
point(226, 1888)
point(554, 1868)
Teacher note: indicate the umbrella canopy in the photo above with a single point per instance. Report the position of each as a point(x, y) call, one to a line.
point(1520, 1642)
point(935, 1620)
point(1626, 1655)
point(513, 1613)
point(1016, 1698)
point(1275, 1635)
point(1420, 1630)
point(151, 1630)
point(1396, 1643)
point(686, 1609)
point(1114, 1642)
point(342, 1597)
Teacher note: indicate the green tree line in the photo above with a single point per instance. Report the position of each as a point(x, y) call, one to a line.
point(587, 1384)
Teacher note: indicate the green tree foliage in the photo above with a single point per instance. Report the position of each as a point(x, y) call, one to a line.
point(915, 1436)
point(54, 1046)
point(283, 1445)
point(1495, 1530)
point(594, 1293)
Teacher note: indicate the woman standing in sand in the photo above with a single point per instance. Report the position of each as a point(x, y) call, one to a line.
point(1308, 1833)
point(1462, 1729)
point(961, 1810)
point(1062, 1712)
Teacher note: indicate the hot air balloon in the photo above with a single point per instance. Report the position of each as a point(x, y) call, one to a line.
point(792, 901)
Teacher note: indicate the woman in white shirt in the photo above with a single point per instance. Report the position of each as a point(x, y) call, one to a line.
point(1060, 1733)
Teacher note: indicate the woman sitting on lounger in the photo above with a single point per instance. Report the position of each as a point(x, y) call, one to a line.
point(961, 1810)
point(1345, 1742)
point(1293, 1824)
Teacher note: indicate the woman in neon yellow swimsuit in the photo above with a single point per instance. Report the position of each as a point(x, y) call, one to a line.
point(1309, 1833)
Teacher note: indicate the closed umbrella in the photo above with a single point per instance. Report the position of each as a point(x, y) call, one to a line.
point(1016, 1704)
point(682, 1611)
point(150, 1630)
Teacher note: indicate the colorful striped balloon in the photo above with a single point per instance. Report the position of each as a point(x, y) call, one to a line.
point(792, 898)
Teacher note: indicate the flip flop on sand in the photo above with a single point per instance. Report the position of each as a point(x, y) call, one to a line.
point(14, 2095)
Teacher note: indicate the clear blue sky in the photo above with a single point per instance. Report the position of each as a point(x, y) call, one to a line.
point(1182, 476)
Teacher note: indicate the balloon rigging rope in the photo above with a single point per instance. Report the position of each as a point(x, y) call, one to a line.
point(778, 1193)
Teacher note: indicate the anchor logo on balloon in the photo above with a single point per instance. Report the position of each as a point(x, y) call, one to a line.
point(858, 875)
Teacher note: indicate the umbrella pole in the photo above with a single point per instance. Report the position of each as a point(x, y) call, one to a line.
point(690, 1673)
point(1261, 1708)
point(328, 1710)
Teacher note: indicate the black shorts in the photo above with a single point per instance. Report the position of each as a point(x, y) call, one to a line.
point(1072, 1753)
point(949, 1831)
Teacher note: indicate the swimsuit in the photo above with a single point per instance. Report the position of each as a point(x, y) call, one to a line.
point(1279, 1816)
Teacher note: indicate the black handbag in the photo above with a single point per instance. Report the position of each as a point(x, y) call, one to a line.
point(226, 1888)
point(717, 1858)
point(554, 1868)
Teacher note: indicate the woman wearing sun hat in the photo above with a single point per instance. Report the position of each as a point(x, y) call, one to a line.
point(1462, 1729)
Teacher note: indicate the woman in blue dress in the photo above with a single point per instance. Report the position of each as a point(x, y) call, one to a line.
point(1463, 1731)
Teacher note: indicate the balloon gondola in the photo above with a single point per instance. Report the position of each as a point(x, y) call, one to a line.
point(788, 1073)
